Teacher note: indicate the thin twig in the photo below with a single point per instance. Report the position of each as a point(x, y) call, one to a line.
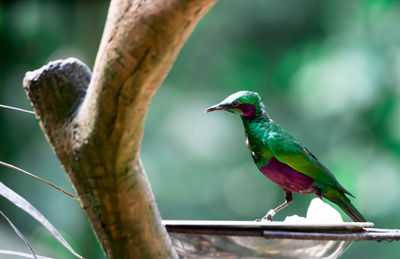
point(38, 178)
point(16, 109)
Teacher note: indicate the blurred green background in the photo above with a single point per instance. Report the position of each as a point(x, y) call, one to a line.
point(328, 71)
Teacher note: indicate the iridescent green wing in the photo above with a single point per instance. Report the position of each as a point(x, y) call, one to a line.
point(289, 151)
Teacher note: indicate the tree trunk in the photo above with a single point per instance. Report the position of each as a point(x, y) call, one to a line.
point(95, 123)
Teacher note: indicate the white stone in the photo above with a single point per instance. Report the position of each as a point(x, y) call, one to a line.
point(295, 219)
point(321, 212)
point(318, 212)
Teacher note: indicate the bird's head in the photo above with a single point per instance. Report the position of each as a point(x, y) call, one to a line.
point(246, 103)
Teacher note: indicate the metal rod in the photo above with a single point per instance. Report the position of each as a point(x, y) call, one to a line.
point(384, 235)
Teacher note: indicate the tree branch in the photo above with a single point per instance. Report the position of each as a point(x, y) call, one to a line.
point(96, 128)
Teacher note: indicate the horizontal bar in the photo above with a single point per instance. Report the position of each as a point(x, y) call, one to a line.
point(382, 235)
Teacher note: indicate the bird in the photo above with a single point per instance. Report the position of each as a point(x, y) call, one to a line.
point(283, 159)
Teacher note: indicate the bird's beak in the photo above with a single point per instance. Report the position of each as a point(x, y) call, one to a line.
point(216, 107)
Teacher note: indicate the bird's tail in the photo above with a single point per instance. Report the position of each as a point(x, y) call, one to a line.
point(345, 204)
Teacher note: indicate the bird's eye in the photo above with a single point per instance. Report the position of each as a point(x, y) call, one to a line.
point(235, 104)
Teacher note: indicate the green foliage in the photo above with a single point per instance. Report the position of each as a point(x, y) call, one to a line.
point(327, 71)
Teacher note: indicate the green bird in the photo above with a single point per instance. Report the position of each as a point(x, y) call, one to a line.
point(282, 158)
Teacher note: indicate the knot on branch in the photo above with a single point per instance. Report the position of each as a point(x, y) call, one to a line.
point(57, 89)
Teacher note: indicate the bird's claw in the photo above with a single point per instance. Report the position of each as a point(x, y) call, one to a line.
point(268, 216)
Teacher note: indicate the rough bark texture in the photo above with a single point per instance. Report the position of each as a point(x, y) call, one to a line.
point(95, 123)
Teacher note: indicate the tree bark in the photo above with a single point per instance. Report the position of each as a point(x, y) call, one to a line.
point(94, 123)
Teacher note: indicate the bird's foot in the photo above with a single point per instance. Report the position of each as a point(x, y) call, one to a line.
point(268, 216)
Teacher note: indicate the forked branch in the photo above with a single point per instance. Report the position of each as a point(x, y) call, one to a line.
point(95, 123)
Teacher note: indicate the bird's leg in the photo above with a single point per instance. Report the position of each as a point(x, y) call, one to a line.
point(272, 212)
